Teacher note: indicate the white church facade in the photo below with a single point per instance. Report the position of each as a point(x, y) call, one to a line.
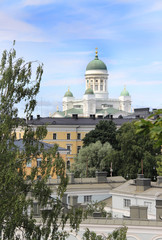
point(95, 101)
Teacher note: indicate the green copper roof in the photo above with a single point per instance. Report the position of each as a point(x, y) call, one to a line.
point(124, 92)
point(96, 64)
point(89, 91)
point(109, 110)
point(68, 94)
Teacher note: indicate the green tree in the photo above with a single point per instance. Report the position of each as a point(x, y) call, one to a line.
point(17, 190)
point(135, 152)
point(153, 128)
point(91, 159)
point(117, 234)
point(105, 131)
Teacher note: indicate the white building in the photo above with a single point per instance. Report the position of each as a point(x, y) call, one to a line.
point(139, 192)
point(96, 99)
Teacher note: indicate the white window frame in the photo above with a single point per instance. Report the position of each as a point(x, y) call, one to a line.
point(68, 148)
point(126, 202)
point(68, 136)
point(87, 198)
point(78, 136)
point(39, 162)
point(54, 134)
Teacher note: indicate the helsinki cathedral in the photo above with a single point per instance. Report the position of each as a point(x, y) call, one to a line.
point(95, 101)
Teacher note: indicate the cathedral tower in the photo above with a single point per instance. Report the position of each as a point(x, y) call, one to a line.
point(96, 76)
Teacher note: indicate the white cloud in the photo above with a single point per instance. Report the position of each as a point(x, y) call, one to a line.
point(125, 78)
point(12, 28)
point(37, 2)
point(155, 7)
point(63, 82)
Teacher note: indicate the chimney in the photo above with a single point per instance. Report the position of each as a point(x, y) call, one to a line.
point(138, 212)
point(75, 116)
point(92, 116)
point(73, 200)
point(64, 199)
point(142, 183)
point(38, 116)
point(71, 178)
point(31, 117)
point(158, 209)
point(159, 180)
point(101, 177)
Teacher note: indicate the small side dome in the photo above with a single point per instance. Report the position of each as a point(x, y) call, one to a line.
point(68, 94)
point(124, 93)
point(89, 91)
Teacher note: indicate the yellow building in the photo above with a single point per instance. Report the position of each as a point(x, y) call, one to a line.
point(68, 132)
point(36, 161)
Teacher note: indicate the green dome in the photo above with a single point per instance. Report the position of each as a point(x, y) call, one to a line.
point(124, 92)
point(96, 64)
point(68, 94)
point(89, 91)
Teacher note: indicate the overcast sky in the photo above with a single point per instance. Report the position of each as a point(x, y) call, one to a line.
point(63, 34)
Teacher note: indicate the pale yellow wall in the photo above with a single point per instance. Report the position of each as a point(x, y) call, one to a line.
point(34, 164)
point(61, 139)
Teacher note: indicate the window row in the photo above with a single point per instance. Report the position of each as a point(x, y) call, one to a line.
point(87, 199)
point(101, 81)
point(68, 136)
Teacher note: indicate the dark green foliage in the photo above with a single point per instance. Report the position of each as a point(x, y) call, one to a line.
point(152, 126)
point(19, 191)
point(105, 131)
point(133, 152)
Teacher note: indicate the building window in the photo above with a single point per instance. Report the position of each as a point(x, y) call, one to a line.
point(19, 135)
point(92, 87)
point(68, 136)
point(69, 148)
point(68, 165)
point(54, 136)
point(36, 209)
point(96, 87)
point(28, 163)
point(78, 136)
point(127, 202)
point(101, 87)
point(78, 148)
point(101, 81)
point(87, 199)
point(38, 162)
